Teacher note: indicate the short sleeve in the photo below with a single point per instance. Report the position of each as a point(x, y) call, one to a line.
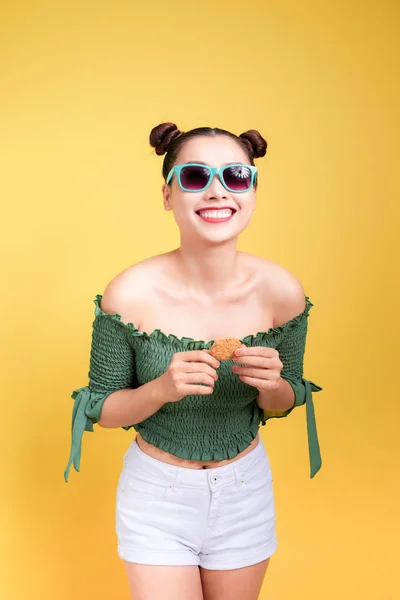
point(112, 368)
point(291, 352)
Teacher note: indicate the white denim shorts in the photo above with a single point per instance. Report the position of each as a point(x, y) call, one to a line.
point(218, 518)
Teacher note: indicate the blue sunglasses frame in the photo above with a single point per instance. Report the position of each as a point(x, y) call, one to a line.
point(213, 171)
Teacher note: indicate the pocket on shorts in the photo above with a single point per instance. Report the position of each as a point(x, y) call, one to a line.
point(256, 482)
point(137, 483)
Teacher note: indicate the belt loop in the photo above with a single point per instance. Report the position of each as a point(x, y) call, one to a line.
point(238, 475)
point(174, 472)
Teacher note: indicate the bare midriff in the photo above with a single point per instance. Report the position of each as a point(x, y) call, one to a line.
point(189, 464)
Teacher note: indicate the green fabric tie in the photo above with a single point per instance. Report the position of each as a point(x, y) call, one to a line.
point(313, 444)
point(80, 423)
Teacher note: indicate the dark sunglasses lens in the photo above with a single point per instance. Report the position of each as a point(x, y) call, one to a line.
point(237, 178)
point(194, 178)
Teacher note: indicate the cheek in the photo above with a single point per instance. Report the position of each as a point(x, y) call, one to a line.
point(247, 203)
point(184, 203)
point(182, 208)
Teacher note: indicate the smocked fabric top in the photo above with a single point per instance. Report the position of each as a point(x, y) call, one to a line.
point(217, 426)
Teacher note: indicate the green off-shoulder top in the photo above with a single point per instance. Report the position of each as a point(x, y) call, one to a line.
point(217, 426)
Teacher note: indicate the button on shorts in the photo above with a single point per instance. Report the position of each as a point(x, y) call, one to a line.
point(216, 518)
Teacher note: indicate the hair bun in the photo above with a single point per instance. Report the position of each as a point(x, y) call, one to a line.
point(162, 136)
point(255, 142)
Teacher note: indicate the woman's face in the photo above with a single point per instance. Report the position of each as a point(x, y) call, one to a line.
point(190, 208)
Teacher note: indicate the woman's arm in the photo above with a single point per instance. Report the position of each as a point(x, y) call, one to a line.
point(130, 406)
point(278, 400)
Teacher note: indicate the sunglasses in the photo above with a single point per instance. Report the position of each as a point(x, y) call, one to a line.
point(194, 177)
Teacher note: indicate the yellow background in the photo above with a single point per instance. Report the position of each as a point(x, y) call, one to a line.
point(82, 84)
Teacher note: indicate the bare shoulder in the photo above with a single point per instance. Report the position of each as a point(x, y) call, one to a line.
point(130, 290)
point(281, 289)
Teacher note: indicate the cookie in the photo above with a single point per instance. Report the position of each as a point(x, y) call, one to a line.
point(224, 349)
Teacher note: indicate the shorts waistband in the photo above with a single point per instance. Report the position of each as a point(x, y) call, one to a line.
point(135, 458)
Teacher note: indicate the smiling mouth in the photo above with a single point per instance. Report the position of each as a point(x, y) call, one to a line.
point(220, 215)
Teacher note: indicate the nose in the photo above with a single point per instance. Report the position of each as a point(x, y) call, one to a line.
point(216, 189)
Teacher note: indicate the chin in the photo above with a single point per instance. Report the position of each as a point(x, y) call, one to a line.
point(218, 237)
point(224, 234)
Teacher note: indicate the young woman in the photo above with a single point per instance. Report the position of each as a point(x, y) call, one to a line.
point(195, 513)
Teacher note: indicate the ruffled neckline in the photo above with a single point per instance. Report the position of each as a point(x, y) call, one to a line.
point(188, 342)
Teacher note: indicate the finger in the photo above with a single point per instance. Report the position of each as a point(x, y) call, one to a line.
point(249, 372)
point(253, 381)
point(199, 378)
point(198, 390)
point(256, 361)
point(256, 351)
point(193, 367)
point(200, 356)
point(261, 384)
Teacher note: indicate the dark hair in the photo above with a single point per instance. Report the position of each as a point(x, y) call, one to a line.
point(167, 139)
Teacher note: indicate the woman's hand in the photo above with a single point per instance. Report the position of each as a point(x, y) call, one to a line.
point(263, 367)
point(185, 371)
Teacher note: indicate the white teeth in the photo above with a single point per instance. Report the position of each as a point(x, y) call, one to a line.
point(216, 214)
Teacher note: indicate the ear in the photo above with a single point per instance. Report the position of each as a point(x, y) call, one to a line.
point(166, 192)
